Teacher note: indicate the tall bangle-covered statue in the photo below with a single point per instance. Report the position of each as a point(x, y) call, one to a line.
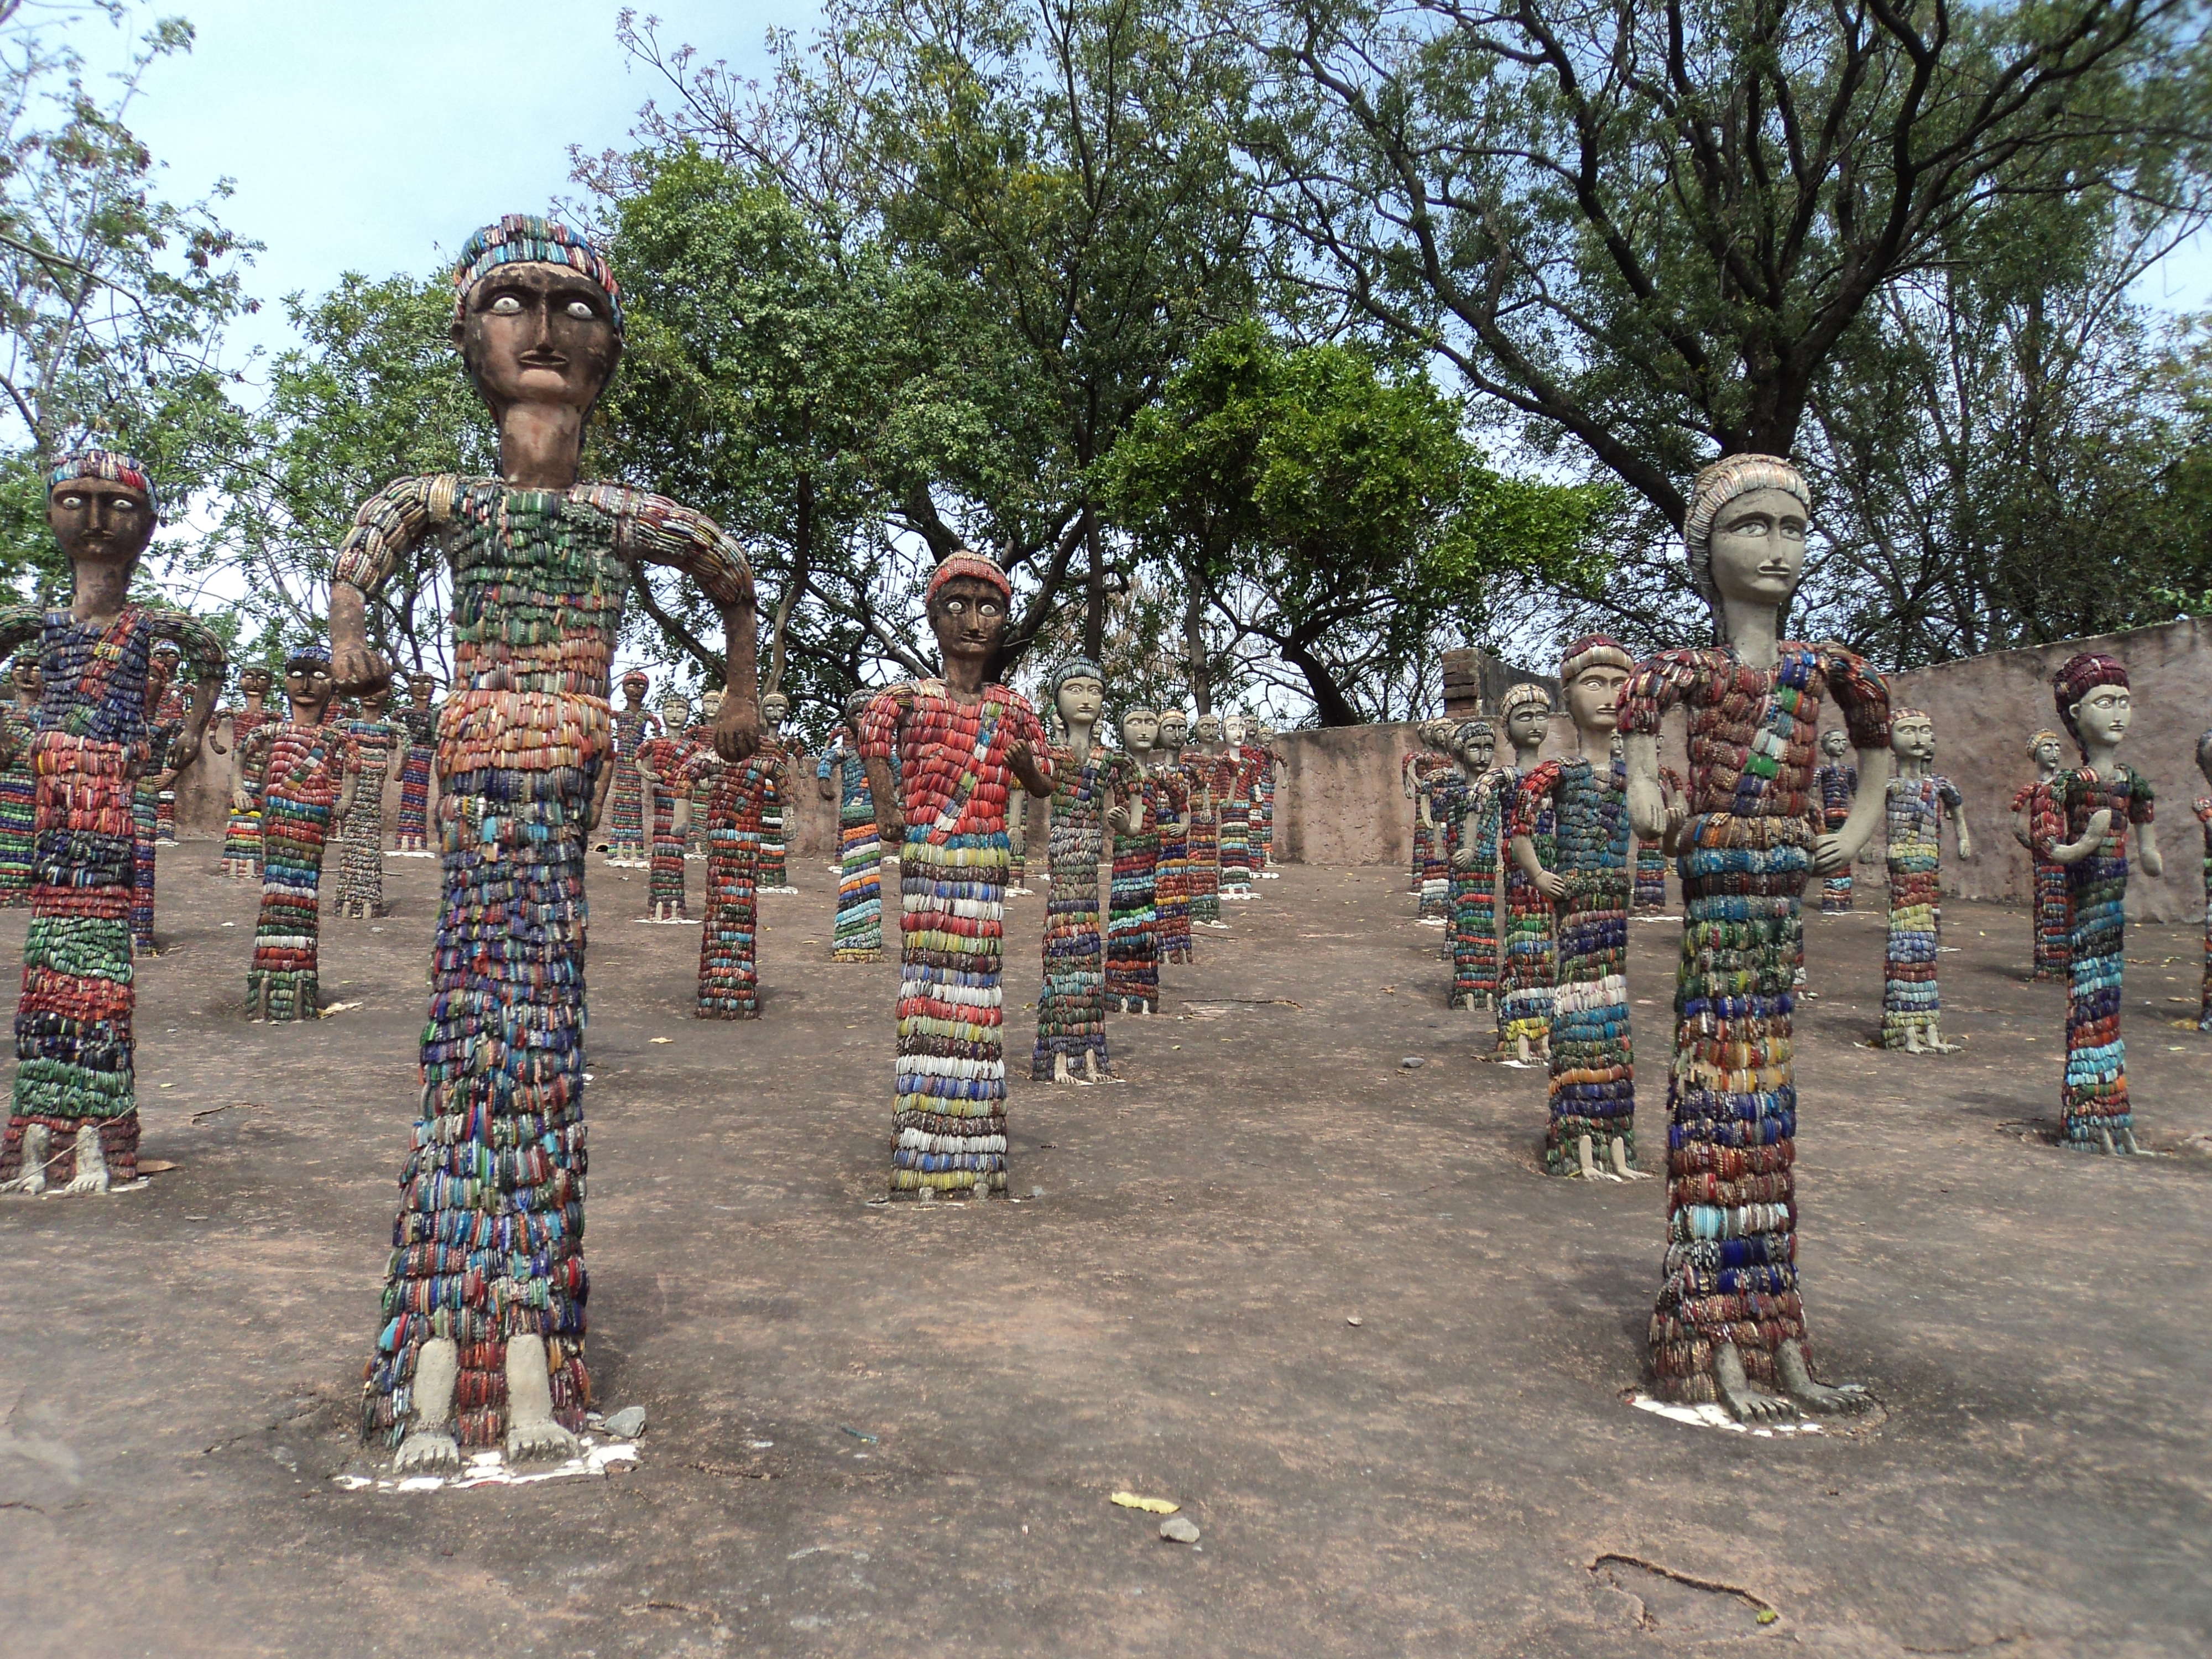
point(2087, 813)
point(1473, 838)
point(1239, 777)
point(1729, 1325)
point(1415, 766)
point(772, 873)
point(1132, 943)
point(1919, 800)
point(2203, 806)
point(1263, 806)
point(962, 741)
point(418, 721)
point(1171, 876)
point(167, 720)
point(1593, 1096)
point(145, 799)
point(481, 1339)
point(1091, 787)
point(18, 788)
point(635, 723)
point(1202, 773)
point(73, 1118)
point(666, 769)
point(729, 976)
point(857, 933)
point(242, 835)
point(309, 769)
point(1835, 786)
point(1525, 1005)
point(699, 736)
point(376, 738)
point(2051, 916)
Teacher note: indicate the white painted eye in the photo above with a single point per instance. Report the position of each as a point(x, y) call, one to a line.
point(581, 310)
point(505, 306)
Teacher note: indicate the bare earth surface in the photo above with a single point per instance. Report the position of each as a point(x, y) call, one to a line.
point(1457, 1472)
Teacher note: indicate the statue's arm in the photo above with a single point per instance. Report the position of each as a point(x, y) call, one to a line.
point(388, 526)
point(2140, 812)
point(1656, 686)
point(661, 531)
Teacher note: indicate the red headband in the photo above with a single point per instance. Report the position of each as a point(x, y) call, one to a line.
point(964, 563)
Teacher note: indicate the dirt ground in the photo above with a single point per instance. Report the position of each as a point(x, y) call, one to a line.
point(1171, 1310)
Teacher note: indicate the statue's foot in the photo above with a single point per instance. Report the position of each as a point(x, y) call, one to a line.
point(538, 1438)
point(2125, 1140)
point(91, 1164)
point(1520, 1050)
point(1912, 1045)
point(1622, 1168)
point(1586, 1155)
point(1090, 1064)
point(38, 1147)
point(427, 1451)
point(1840, 1400)
point(1744, 1403)
point(2104, 1140)
point(1060, 1069)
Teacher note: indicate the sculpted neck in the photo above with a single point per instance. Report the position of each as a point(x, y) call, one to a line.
point(2100, 757)
point(1753, 631)
point(541, 445)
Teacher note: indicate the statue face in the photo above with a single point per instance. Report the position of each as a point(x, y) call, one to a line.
point(1080, 699)
point(969, 616)
point(1759, 547)
point(98, 521)
point(376, 701)
point(308, 683)
point(1478, 746)
point(1526, 726)
point(675, 713)
point(419, 689)
point(633, 693)
point(710, 704)
point(1438, 734)
point(25, 674)
point(2050, 754)
point(1833, 743)
point(1208, 729)
point(255, 682)
point(537, 334)
point(1174, 730)
point(1232, 728)
point(1140, 730)
point(2103, 717)
point(1913, 737)
point(855, 706)
point(1593, 697)
point(776, 709)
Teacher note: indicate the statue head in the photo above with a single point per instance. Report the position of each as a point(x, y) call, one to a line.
point(255, 681)
point(1439, 735)
point(1834, 741)
point(1591, 676)
point(967, 603)
point(2093, 700)
point(1207, 731)
point(1744, 533)
point(1911, 735)
point(775, 707)
point(536, 315)
point(101, 507)
point(2047, 750)
point(1140, 730)
point(24, 672)
point(376, 701)
point(307, 683)
point(1078, 691)
point(1174, 730)
point(634, 685)
point(1233, 727)
point(675, 711)
point(1477, 744)
point(1527, 711)
point(1265, 733)
point(710, 705)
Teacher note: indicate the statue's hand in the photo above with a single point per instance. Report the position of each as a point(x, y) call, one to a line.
point(1647, 808)
point(890, 831)
point(357, 667)
point(239, 800)
point(1829, 854)
point(1966, 844)
point(1463, 860)
point(736, 731)
point(1551, 885)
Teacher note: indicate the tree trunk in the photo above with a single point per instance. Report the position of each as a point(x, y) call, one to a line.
point(1094, 591)
point(1194, 648)
point(1329, 701)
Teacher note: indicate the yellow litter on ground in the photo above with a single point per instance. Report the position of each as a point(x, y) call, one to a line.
point(1129, 1500)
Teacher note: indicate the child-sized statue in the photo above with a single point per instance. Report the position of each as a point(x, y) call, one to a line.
point(1835, 787)
point(668, 766)
point(74, 1120)
point(2084, 826)
point(2046, 752)
point(18, 788)
point(1471, 842)
point(1919, 800)
point(1423, 772)
point(857, 931)
point(772, 874)
point(309, 770)
point(1415, 766)
point(960, 740)
point(377, 738)
point(1092, 788)
point(1586, 879)
point(1132, 944)
point(419, 721)
point(482, 1335)
point(1729, 1325)
point(1524, 1004)
point(242, 835)
point(627, 813)
point(1172, 804)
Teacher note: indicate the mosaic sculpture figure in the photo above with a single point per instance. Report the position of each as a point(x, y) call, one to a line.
point(1918, 801)
point(418, 721)
point(635, 724)
point(2046, 752)
point(773, 875)
point(1593, 1095)
point(1132, 943)
point(1415, 766)
point(1835, 786)
point(167, 720)
point(73, 1120)
point(841, 775)
point(1524, 1003)
point(376, 738)
point(1018, 838)
point(1171, 808)
point(1202, 774)
point(145, 798)
point(18, 787)
point(2087, 811)
point(960, 741)
point(1729, 1326)
point(1238, 777)
point(700, 735)
point(1471, 842)
point(242, 835)
point(729, 976)
point(1268, 765)
point(667, 765)
point(1092, 788)
point(481, 1340)
point(2203, 806)
point(309, 768)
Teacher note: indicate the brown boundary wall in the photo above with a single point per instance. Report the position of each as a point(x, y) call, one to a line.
point(1338, 800)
